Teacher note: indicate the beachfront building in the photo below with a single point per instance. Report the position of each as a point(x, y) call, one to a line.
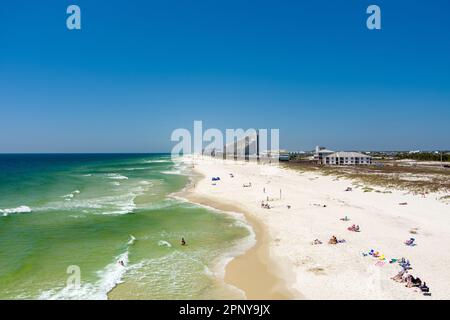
point(321, 153)
point(347, 159)
point(281, 155)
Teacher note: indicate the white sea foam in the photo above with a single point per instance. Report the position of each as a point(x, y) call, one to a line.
point(71, 195)
point(109, 278)
point(178, 172)
point(116, 176)
point(116, 204)
point(157, 161)
point(132, 240)
point(164, 243)
point(20, 209)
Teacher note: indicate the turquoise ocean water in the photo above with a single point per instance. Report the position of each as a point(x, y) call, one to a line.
point(92, 211)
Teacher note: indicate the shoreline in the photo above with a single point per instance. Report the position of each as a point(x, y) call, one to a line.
point(252, 272)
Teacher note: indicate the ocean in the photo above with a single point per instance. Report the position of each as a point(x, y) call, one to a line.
point(114, 218)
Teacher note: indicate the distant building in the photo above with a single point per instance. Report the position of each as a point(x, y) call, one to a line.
point(347, 159)
point(283, 155)
point(321, 153)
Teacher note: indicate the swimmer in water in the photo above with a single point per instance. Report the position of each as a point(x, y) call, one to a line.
point(183, 242)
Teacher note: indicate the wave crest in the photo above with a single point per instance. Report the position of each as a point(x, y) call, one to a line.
point(20, 209)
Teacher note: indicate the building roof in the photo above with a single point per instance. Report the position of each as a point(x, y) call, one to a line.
point(325, 151)
point(344, 154)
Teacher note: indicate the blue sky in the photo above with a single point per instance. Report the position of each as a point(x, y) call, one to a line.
point(139, 69)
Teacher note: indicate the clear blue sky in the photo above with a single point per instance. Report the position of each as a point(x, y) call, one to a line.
point(139, 69)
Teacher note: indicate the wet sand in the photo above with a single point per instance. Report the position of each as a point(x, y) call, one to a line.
point(253, 272)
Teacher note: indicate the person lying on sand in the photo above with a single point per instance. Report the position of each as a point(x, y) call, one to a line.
point(353, 228)
point(399, 277)
point(410, 242)
point(345, 219)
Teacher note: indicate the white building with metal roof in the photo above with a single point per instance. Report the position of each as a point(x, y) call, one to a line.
point(343, 158)
point(321, 153)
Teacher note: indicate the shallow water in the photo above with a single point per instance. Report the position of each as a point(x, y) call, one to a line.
point(93, 211)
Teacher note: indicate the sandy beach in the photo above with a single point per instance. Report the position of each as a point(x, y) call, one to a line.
point(284, 264)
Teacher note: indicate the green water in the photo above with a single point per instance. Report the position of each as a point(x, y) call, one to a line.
point(58, 211)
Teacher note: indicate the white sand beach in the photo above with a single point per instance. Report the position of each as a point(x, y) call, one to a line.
point(297, 269)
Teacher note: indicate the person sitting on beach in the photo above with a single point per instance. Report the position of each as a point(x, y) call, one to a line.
point(183, 242)
point(410, 242)
point(417, 282)
point(408, 280)
point(413, 282)
point(333, 240)
point(316, 241)
point(345, 219)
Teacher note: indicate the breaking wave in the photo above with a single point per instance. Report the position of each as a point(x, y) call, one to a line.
point(109, 278)
point(116, 176)
point(20, 209)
